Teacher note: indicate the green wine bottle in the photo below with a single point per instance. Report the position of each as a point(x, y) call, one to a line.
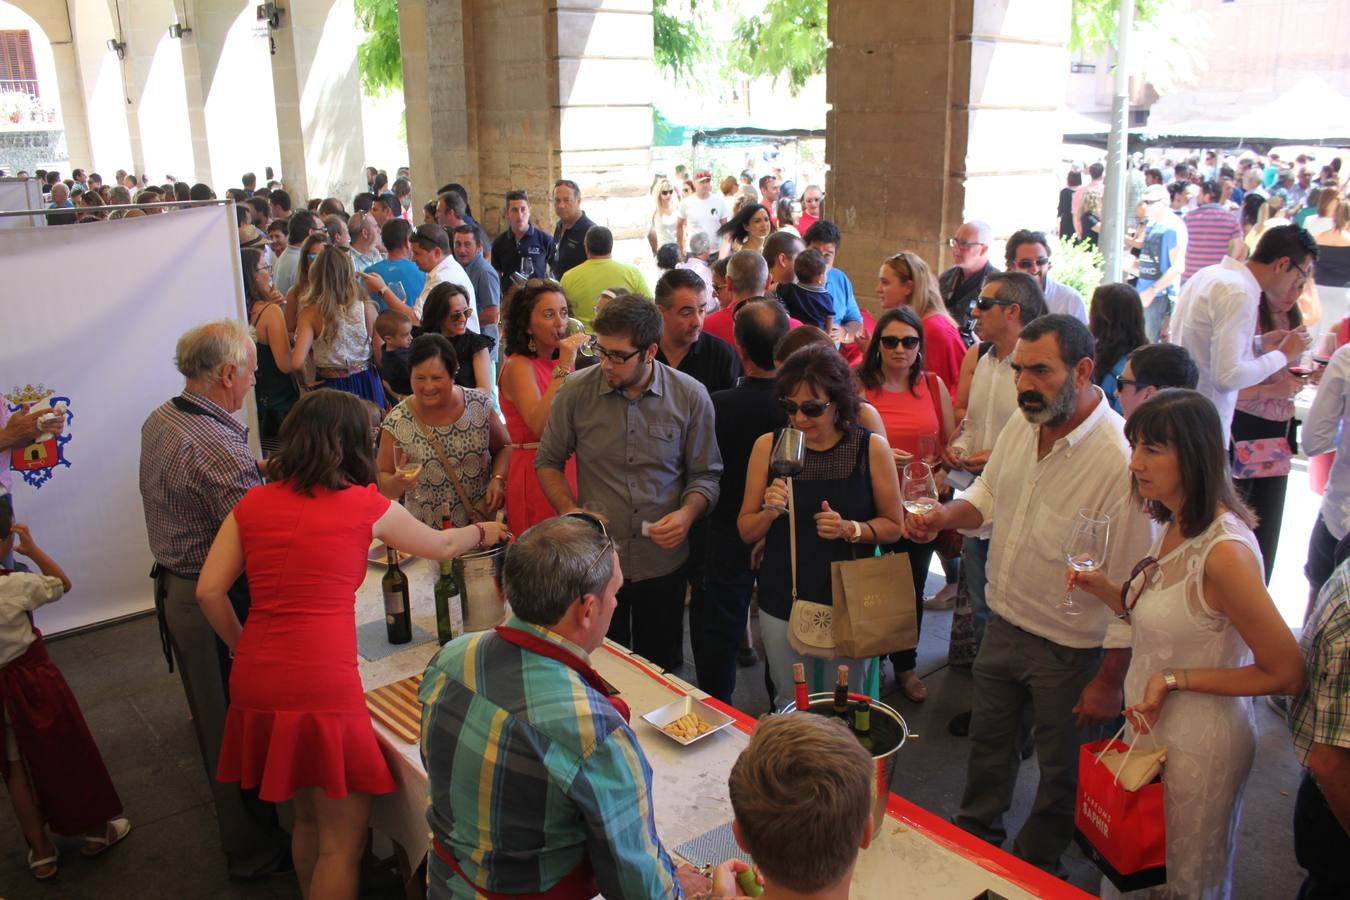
point(447, 593)
point(862, 723)
point(397, 612)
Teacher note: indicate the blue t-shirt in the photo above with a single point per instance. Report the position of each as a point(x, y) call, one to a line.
point(841, 292)
point(1155, 257)
point(403, 272)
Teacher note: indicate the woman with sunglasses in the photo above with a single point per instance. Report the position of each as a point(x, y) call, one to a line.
point(916, 408)
point(539, 357)
point(812, 198)
point(309, 252)
point(905, 280)
point(1200, 615)
point(447, 313)
point(848, 493)
point(665, 215)
point(275, 389)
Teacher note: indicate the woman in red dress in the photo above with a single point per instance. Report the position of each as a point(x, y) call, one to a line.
point(539, 357)
point(297, 726)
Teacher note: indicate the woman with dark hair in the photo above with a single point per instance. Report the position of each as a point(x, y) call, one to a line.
point(811, 336)
point(847, 493)
point(275, 390)
point(297, 726)
point(1265, 438)
point(1065, 211)
point(1117, 325)
point(787, 220)
point(444, 423)
point(539, 356)
point(337, 322)
point(906, 280)
point(917, 411)
point(1199, 613)
point(447, 313)
point(748, 229)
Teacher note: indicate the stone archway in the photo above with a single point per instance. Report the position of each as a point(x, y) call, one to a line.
point(58, 130)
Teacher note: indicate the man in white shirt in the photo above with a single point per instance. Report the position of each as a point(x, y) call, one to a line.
point(431, 252)
point(1007, 302)
point(703, 212)
point(1216, 315)
point(1029, 251)
point(1066, 452)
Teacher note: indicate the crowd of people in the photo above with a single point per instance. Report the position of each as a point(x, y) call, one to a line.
point(431, 387)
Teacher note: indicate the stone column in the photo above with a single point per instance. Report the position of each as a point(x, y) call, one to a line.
point(941, 111)
point(520, 93)
point(318, 100)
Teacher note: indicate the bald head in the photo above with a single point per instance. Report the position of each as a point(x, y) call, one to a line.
point(747, 274)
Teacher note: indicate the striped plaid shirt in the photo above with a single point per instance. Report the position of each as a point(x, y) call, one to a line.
point(532, 770)
point(1321, 714)
point(195, 466)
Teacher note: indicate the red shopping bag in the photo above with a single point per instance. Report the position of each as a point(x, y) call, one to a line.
point(1123, 832)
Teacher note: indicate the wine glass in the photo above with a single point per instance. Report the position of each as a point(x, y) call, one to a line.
point(399, 291)
point(918, 491)
point(574, 326)
point(1325, 348)
point(786, 460)
point(407, 466)
point(1084, 551)
point(526, 267)
point(927, 446)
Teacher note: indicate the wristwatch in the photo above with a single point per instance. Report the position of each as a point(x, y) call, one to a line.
point(857, 533)
point(561, 371)
point(1170, 679)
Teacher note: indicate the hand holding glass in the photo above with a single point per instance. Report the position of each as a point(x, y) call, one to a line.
point(786, 460)
point(574, 326)
point(1084, 551)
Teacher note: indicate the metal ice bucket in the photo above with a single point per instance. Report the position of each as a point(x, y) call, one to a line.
point(480, 579)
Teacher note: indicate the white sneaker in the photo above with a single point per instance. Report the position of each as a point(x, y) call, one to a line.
point(943, 599)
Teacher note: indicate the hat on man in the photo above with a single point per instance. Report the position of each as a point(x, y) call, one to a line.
point(703, 175)
point(249, 236)
point(432, 234)
point(1155, 193)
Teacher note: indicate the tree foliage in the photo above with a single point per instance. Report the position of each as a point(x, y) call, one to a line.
point(787, 38)
point(679, 42)
point(380, 55)
point(1164, 45)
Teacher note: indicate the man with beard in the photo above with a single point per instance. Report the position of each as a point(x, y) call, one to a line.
point(1066, 452)
point(647, 461)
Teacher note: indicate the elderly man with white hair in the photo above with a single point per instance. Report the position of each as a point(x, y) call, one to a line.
point(961, 284)
point(696, 260)
point(195, 466)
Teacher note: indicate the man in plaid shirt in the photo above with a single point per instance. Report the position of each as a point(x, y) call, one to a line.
point(1320, 719)
point(195, 466)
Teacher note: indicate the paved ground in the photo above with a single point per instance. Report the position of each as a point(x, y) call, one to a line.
point(137, 713)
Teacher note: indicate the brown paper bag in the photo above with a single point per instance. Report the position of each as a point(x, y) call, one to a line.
point(874, 611)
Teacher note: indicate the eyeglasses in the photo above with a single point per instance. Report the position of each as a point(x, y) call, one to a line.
point(812, 409)
point(1134, 586)
point(964, 245)
point(616, 357)
point(984, 304)
point(1302, 272)
point(595, 522)
point(1040, 262)
point(1127, 382)
point(457, 314)
point(890, 342)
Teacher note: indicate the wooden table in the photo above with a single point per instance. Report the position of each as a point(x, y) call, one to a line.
point(917, 854)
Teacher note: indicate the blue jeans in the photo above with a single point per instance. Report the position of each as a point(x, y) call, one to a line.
point(1154, 314)
point(975, 557)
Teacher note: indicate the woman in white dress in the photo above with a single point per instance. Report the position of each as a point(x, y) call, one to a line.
point(1207, 637)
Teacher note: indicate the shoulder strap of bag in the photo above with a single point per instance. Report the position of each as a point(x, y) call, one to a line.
point(445, 464)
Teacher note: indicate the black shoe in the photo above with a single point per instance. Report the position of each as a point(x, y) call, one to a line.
point(747, 657)
point(959, 726)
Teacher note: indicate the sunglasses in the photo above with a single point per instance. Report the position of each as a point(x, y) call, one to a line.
point(890, 342)
point(667, 193)
point(617, 357)
point(599, 526)
point(456, 315)
point(984, 304)
point(1127, 382)
point(1134, 586)
point(1040, 262)
point(812, 409)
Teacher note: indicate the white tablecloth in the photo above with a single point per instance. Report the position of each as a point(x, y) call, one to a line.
point(915, 855)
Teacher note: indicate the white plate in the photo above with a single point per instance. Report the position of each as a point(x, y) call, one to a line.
point(658, 718)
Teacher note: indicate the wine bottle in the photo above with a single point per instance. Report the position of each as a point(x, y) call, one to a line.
point(397, 612)
point(862, 723)
point(447, 596)
point(841, 708)
point(799, 685)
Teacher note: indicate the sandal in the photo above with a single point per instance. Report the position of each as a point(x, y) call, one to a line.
point(35, 864)
point(913, 686)
point(113, 834)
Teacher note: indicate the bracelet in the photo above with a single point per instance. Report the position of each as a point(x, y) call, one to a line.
point(501, 478)
point(482, 534)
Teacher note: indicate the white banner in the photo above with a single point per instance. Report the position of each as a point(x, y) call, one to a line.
point(92, 313)
point(18, 194)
